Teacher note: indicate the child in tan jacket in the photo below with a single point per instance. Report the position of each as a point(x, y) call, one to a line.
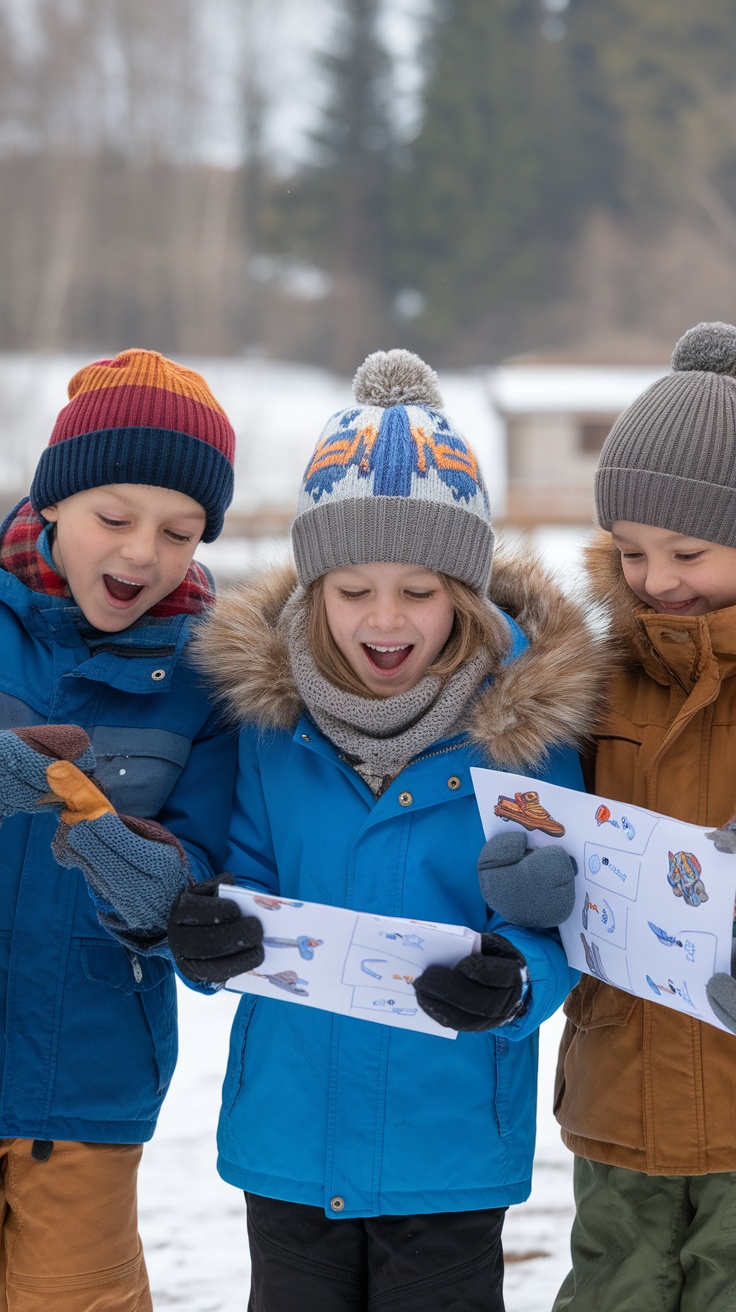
point(645, 1095)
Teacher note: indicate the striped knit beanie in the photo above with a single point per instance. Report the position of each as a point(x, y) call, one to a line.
point(391, 480)
point(670, 458)
point(140, 418)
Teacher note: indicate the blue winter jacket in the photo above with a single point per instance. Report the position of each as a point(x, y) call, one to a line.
point(355, 1117)
point(88, 1044)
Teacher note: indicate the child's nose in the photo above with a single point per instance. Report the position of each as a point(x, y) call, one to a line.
point(662, 577)
point(386, 614)
point(140, 548)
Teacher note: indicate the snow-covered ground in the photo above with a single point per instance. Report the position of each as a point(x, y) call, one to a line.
point(193, 1225)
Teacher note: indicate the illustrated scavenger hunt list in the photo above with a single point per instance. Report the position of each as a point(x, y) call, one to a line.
point(654, 905)
point(349, 962)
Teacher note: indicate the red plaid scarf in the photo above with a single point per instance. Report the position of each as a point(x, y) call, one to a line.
point(19, 555)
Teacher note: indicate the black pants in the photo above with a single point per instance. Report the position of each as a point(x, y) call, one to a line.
point(442, 1262)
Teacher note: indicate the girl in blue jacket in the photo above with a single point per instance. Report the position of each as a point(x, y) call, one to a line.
point(378, 1162)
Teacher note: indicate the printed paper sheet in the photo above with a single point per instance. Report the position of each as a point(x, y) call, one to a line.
point(654, 907)
point(349, 962)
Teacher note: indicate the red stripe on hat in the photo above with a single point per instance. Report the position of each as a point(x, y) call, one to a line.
point(144, 407)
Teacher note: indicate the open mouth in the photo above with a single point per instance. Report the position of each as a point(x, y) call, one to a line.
point(120, 589)
point(672, 607)
point(387, 659)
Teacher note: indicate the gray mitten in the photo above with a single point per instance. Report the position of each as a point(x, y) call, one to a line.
point(134, 866)
point(533, 887)
point(721, 990)
point(724, 839)
point(25, 755)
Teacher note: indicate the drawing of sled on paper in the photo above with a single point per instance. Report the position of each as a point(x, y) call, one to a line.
point(527, 810)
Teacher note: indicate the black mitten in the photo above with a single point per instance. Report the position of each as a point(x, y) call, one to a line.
point(209, 939)
point(481, 992)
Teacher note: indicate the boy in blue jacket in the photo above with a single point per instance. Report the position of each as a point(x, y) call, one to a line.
point(378, 1163)
point(98, 597)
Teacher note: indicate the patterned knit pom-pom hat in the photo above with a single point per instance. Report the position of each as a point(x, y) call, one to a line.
point(670, 458)
point(140, 418)
point(391, 480)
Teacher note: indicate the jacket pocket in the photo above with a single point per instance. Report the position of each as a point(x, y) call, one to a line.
point(515, 1079)
point(236, 1062)
point(598, 1073)
point(592, 1004)
point(152, 980)
point(616, 725)
point(618, 757)
point(138, 768)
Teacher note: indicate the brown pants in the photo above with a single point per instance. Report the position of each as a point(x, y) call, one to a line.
point(69, 1238)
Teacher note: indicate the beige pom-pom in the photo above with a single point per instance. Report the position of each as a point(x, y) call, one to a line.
point(397, 377)
point(707, 348)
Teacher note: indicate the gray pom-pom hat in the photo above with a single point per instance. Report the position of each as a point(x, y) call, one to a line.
point(670, 458)
point(391, 480)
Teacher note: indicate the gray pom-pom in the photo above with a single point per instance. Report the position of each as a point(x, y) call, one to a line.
point(397, 377)
point(707, 348)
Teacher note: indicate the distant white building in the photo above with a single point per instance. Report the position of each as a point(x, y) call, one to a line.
point(555, 418)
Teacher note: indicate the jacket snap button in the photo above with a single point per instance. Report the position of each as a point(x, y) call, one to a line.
point(453, 782)
point(337, 1203)
point(306, 738)
point(405, 799)
point(158, 675)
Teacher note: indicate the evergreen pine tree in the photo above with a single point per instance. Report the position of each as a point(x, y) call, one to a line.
point(500, 174)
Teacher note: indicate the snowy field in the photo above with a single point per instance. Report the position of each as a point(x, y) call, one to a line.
point(193, 1224)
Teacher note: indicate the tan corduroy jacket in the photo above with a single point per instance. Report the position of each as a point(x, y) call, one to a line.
point(638, 1085)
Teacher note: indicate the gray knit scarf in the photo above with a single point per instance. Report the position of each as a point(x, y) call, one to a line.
point(379, 735)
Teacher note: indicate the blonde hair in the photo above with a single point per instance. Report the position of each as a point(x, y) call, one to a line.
point(474, 626)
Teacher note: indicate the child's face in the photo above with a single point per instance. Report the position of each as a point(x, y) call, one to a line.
point(389, 621)
point(123, 548)
point(675, 574)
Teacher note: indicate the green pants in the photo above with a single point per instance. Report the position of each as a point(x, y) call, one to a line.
point(651, 1243)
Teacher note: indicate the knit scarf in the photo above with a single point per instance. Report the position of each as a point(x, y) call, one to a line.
point(379, 735)
point(22, 554)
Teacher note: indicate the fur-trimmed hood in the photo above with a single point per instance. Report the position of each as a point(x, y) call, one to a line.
point(550, 696)
point(611, 594)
